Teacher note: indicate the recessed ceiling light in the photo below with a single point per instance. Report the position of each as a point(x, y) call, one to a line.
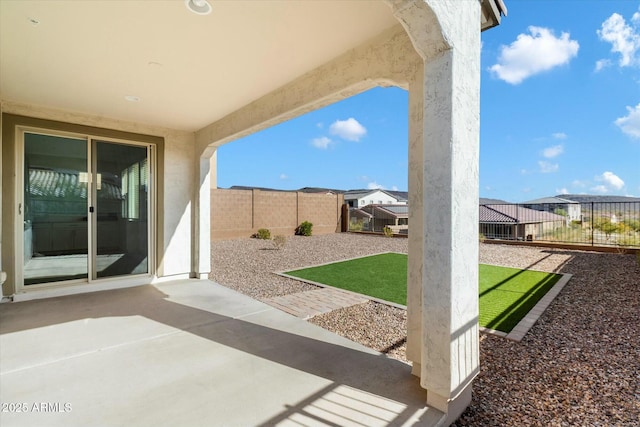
point(199, 7)
point(132, 98)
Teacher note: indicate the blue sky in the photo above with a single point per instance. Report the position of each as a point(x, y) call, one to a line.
point(560, 113)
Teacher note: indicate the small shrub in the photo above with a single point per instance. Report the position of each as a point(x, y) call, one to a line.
point(279, 241)
point(482, 238)
point(629, 240)
point(356, 225)
point(387, 231)
point(263, 234)
point(304, 229)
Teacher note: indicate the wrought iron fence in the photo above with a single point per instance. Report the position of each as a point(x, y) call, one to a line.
point(593, 223)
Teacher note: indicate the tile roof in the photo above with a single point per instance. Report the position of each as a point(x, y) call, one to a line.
point(515, 214)
point(60, 183)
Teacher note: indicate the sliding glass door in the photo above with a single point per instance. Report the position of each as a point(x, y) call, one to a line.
point(86, 209)
point(122, 190)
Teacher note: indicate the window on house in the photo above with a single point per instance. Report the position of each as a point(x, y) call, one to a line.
point(134, 178)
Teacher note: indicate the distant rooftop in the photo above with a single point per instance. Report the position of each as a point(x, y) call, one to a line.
point(550, 200)
point(485, 201)
point(587, 198)
point(515, 214)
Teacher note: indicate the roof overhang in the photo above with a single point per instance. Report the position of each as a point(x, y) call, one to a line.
point(492, 11)
point(157, 63)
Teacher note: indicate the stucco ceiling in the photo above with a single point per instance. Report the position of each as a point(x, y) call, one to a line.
point(188, 70)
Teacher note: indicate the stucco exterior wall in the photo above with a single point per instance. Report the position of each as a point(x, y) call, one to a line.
point(241, 213)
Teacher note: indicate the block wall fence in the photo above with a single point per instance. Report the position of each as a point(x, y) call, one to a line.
point(240, 213)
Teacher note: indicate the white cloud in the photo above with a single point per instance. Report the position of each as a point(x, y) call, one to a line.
point(602, 64)
point(349, 129)
point(611, 180)
point(562, 190)
point(624, 38)
point(284, 176)
point(578, 183)
point(559, 135)
point(534, 53)
point(548, 167)
point(599, 189)
point(322, 143)
point(394, 188)
point(375, 186)
point(551, 152)
point(630, 124)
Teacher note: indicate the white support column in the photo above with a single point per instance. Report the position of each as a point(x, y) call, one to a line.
point(202, 222)
point(443, 199)
point(416, 221)
point(450, 277)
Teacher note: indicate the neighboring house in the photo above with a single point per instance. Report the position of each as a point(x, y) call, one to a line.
point(316, 190)
point(106, 97)
point(401, 196)
point(514, 222)
point(361, 198)
point(486, 201)
point(571, 210)
point(394, 216)
point(597, 206)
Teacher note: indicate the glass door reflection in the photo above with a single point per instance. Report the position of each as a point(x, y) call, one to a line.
point(55, 199)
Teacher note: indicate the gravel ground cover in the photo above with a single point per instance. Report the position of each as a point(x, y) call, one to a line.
point(578, 366)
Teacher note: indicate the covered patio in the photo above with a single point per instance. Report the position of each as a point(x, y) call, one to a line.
point(137, 96)
point(192, 353)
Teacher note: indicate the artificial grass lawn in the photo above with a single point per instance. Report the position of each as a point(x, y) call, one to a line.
point(506, 294)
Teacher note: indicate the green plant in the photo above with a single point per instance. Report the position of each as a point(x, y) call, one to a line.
point(387, 231)
point(279, 241)
point(263, 234)
point(560, 211)
point(576, 224)
point(482, 238)
point(633, 224)
point(356, 225)
point(628, 240)
point(304, 229)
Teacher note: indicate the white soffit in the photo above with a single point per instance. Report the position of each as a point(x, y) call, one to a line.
point(185, 70)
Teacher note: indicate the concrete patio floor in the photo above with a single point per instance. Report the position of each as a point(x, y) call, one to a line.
point(191, 353)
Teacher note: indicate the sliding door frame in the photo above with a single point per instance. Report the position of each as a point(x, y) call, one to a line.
point(90, 140)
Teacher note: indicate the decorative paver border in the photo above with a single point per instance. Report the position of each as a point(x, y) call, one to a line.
point(516, 334)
